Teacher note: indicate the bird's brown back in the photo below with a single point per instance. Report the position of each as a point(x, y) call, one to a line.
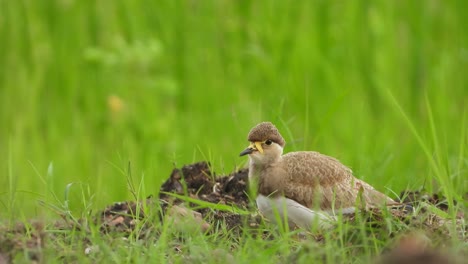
point(317, 180)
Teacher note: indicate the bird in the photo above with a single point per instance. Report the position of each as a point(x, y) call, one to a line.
point(306, 188)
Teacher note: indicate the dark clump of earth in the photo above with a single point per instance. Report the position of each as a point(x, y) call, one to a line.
point(195, 181)
point(198, 181)
point(194, 192)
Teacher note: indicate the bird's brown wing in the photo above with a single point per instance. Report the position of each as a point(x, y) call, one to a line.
point(320, 181)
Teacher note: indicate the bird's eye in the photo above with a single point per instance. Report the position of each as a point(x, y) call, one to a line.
point(268, 142)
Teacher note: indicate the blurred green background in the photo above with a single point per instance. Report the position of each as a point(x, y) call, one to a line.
point(88, 86)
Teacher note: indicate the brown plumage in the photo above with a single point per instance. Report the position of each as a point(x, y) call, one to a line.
point(316, 180)
point(311, 179)
point(266, 130)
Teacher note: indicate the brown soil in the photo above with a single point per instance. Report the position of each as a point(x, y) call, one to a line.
point(194, 181)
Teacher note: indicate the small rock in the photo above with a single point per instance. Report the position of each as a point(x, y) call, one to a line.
point(414, 248)
point(91, 249)
point(186, 220)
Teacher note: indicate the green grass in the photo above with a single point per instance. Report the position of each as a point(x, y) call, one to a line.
point(380, 85)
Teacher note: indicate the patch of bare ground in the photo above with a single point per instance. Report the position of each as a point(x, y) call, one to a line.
point(197, 182)
point(22, 237)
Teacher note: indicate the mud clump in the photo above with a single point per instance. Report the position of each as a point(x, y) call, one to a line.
point(198, 181)
point(196, 177)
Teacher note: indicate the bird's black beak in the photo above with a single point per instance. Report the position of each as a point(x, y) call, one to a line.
point(254, 146)
point(246, 151)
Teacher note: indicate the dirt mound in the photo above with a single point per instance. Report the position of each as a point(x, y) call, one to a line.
point(198, 181)
point(195, 181)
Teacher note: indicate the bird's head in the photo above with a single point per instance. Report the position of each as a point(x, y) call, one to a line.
point(266, 143)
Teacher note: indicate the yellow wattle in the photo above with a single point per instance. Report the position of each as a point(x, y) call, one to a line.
point(258, 145)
